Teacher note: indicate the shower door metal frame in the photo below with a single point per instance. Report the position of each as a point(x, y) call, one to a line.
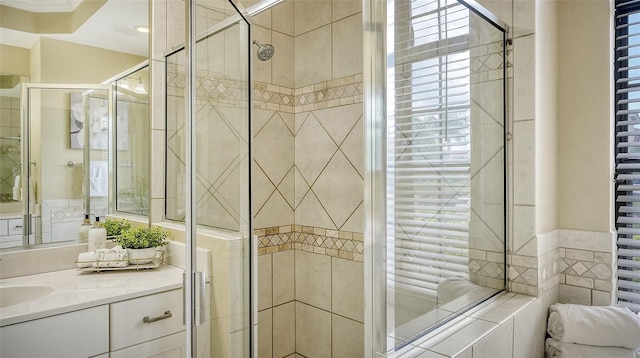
point(193, 280)
point(25, 135)
point(376, 31)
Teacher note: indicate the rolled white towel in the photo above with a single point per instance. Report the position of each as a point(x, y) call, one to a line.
point(114, 257)
point(86, 259)
point(611, 326)
point(557, 349)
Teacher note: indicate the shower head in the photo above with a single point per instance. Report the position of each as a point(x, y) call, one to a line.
point(265, 52)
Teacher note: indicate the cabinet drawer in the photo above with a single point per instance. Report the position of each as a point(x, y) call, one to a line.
point(127, 325)
point(15, 226)
point(83, 333)
point(172, 346)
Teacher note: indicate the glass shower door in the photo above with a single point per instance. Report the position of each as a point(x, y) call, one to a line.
point(208, 181)
point(66, 142)
point(438, 168)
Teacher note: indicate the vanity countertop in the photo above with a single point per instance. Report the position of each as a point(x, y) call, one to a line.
point(74, 290)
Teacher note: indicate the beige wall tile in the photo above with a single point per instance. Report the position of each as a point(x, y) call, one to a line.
point(529, 326)
point(347, 288)
point(339, 121)
point(498, 344)
point(524, 163)
point(175, 24)
point(157, 163)
point(524, 78)
point(313, 331)
point(347, 46)
point(275, 212)
point(347, 337)
point(453, 344)
point(340, 189)
point(313, 55)
point(343, 8)
point(265, 334)
point(261, 69)
point(355, 223)
point(284, 330)
point(159, 26)
point(313, 279)
point(265, 286)
point(274, 149)
point(523, 17)
point(282, 16)
point(353, 146)
point(311, 213)
point(523, 223)
point(262, 188)
point(282, 62)
point(576, 295)
point(313, 148)
point(311, 14)
point(283, 277)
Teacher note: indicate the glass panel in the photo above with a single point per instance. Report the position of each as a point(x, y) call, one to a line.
point(132, 143)
point(221, 170)
point(222, 145)
point(59, 175)
point(446, 171)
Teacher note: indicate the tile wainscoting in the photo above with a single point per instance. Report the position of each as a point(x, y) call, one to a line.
point(310, 292)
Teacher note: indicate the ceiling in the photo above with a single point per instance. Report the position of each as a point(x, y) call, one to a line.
point(111, 27)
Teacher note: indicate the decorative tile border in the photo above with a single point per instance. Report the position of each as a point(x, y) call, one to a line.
point(327, 94)
point(343, 244)
point(587, 269)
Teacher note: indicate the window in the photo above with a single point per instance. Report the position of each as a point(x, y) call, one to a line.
point(627, 150)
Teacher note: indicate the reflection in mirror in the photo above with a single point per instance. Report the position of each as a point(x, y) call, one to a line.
point(88, 42)
point(132, 143)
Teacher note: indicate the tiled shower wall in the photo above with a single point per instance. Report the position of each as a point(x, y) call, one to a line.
point(308, 180)
point(9, 148)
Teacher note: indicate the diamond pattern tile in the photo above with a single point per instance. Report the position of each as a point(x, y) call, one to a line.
point(339, 188)
point(314, 148)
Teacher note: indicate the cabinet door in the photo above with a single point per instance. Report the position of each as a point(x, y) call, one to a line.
point(172, 346)
point(85, 333)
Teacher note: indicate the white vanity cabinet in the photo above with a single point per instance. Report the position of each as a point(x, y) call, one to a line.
point(149, 326)
point(83, 333)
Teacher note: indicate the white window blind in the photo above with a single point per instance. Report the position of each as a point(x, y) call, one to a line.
point(627, 139)
point(431, 137)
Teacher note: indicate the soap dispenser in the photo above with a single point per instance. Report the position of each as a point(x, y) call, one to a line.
point(83, 232)
point(97, 236)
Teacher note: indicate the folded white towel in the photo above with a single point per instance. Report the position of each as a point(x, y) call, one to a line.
point(611, 326)
point(557, 349)
point(454, 287)
point(114, 257)
point(86, 259)
point(99, 178)
point(16, 188)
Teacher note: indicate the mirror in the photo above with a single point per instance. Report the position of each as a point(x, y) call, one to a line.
point(67, 43)
point(132, 143)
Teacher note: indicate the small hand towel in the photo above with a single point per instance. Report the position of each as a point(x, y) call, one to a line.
point(16, 188)
point(99, 178)
point(611, 326)
point(557, 349)
point(115, 257)
point(86, 259)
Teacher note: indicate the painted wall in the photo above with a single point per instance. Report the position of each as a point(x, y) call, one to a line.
point(14, 60)
point(585, 193)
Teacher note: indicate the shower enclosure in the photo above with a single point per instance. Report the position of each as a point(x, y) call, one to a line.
point(436, 165)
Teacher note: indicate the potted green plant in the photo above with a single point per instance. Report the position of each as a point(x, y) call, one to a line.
point(115, 227)
point(141, 243)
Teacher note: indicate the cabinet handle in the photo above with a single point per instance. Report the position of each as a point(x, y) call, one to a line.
point(167, 314)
